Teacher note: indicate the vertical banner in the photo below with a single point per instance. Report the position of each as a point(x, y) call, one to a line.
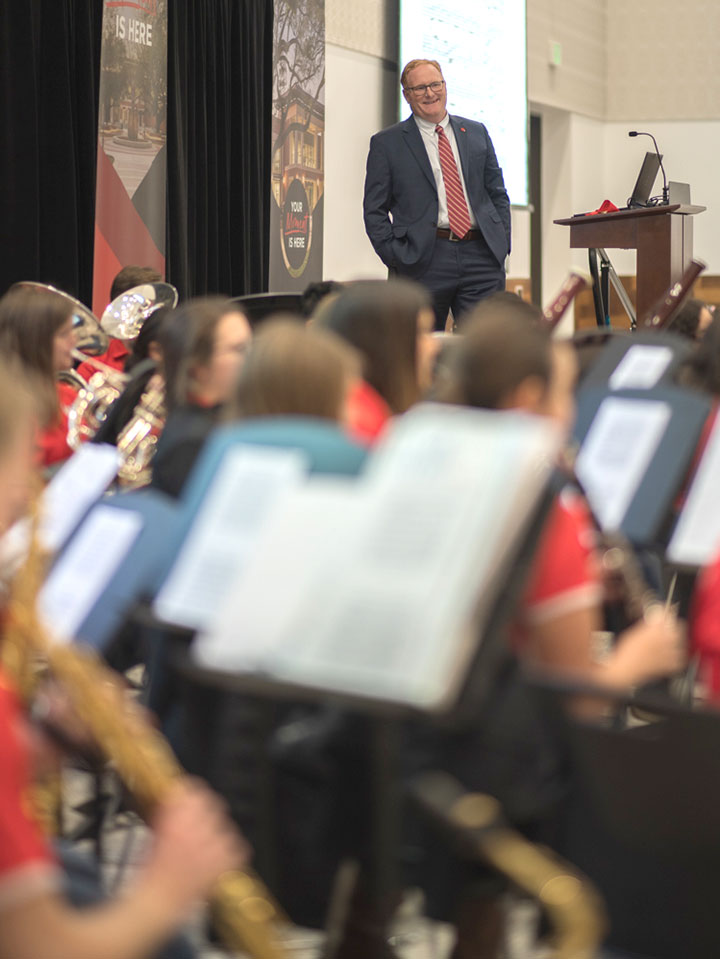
point(298, 145)
point(131, 156)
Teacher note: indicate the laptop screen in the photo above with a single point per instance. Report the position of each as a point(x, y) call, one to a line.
point(645, 180)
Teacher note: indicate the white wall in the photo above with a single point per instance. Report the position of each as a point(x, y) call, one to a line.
point(690, 150)
point(360, 95)
point(586, 161)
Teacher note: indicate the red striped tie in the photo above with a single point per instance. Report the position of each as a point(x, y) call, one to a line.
point(458, 214)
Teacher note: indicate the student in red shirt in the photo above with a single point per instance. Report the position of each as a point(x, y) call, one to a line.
point(390, 324)
point(36, 329)
point(506, 363)
point(193, 843)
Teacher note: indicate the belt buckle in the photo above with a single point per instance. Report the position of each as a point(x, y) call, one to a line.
point(454, 238)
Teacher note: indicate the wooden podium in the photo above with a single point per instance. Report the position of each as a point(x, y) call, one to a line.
point(662, 236)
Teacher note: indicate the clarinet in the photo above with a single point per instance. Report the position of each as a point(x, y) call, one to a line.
point(552, 314)
point(671, 300)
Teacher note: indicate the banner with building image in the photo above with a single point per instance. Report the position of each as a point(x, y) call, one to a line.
point(298, 129)
point(131, 156)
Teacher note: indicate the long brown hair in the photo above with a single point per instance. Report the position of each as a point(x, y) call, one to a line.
point(380, 319)
point(187, 340)
point(29, 320)
point(294, 370)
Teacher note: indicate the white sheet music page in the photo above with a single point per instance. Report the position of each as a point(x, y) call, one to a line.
point(84, 571)
point(405, 569)
point(696, 538)
point(641, 367)
point(73, 489)
point(308, 532)
point(616, 452)
point(249, 484)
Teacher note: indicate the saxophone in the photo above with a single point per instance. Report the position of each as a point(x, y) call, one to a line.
point(241, 905)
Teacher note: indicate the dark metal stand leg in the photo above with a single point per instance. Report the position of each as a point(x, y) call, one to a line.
point(600, 310)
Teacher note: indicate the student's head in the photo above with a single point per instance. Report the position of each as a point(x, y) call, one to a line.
point(295, 370)
point(316, 293)
point(691, 320)
point(390, 323)
point(203, 345)
point(132, 276)
point(36, 327)
point(146, 345)
point(17, 434)
point(505, 362)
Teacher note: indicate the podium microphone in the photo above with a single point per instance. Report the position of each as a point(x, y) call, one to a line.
point(639, 133)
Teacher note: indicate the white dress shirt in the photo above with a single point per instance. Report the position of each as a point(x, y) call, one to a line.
point(430, 139)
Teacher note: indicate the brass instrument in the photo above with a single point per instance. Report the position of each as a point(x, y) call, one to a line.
point(138, 438)
point(124, 317)
point(94, 398)
point(90, 338)
point(554, 312)
point(144, 760)
point(572, 904)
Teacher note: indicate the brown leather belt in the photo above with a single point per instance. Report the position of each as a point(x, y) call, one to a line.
point(449, 235)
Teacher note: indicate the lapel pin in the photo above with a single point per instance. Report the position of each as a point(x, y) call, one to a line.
point(462, 129)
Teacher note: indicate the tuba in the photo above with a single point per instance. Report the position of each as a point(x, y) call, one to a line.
point(136, 443)
point(123, 319)
point(93, 400)
point(90, 337)
point(138, 438)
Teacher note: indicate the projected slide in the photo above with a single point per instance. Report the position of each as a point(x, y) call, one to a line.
point(481, 46)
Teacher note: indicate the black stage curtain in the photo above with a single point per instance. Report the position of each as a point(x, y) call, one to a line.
point(219, 128)
point(49, 69)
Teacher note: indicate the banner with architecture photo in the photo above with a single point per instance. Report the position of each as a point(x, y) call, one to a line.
point(131, 157)
point(298, 128)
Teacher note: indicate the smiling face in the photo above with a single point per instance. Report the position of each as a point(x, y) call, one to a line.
point(427, 104)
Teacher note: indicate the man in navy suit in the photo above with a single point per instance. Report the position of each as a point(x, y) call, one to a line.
point(426, 175)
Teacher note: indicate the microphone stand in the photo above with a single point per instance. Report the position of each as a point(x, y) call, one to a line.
point(665, 191)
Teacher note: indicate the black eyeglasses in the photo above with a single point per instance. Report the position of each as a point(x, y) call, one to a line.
point(422, 88)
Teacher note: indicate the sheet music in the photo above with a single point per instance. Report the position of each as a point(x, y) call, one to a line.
point(616, 452)
point(696, 538)
point(73, 489)
point(400, 564)
point(248, 485)
point(641, 368)
point(293, 549)
point(84, 571)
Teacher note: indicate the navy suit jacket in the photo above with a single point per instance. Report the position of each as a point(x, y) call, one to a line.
point(399, 183)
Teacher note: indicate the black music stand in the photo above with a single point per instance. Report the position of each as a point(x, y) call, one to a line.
point(259, 306)
point(646, 518)
point(645, 823)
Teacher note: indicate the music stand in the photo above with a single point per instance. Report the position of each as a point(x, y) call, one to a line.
point(259, 306)
point(645, 822)
point(383, 714)
point(617, 348)
point(641, 518)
